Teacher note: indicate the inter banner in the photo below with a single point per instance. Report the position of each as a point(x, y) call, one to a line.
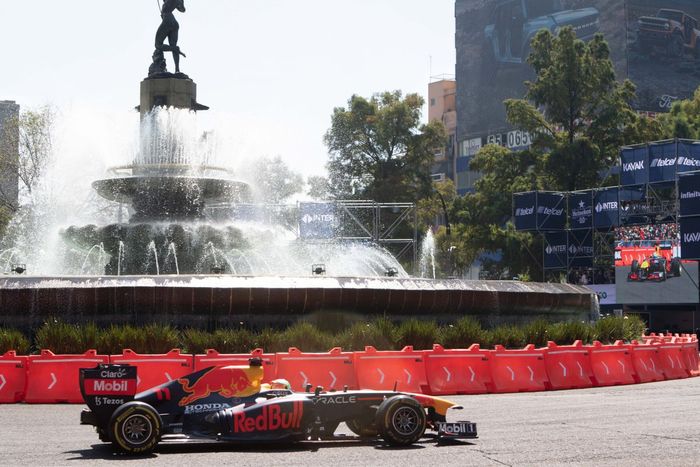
point(689, 194)
point(581, 210)
point(662, 161)
point(634, 165)
point(606, 208)
point(317, 220)
point(555, 250)
point(580, 248)
point(690, 237)
point(551, 212)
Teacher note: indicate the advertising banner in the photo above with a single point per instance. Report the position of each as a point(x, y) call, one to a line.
point(580, 248)
point(606, 208)
point(551, 211)
point(688, 156)
point(555, 250)
point(690, 237)
point(581, 210)
point(606, 293)
point(689, 194)
point(662, 162)
point(634, 165)
point(317, 221)
point(524, 210)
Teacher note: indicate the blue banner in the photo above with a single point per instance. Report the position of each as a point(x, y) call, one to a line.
point(662, 162)
point(555, 248)
point(635, 169)
point(551, 211)
point(581, 210)
point(689, 194)
point(524, 210)
point(606, 208)
point(688, 156)
point(317, 220)
point(690, 237)
point(580, 248)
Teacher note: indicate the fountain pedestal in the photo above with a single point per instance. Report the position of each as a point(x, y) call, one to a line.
point(169, 91)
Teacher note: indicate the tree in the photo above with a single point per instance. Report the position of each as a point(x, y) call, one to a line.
point(29, 137)
point(379, 150)
point(273, 181)
point(319, 188)
point(580, 115)
point(683, 121)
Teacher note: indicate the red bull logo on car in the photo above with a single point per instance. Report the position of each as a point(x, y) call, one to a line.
point(270, 418)
point(226, 381)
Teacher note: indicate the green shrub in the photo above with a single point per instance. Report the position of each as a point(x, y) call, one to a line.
point(60, 337)
point(379, 333)
point(634, 327)
point(568, 332)
point(234, 340)
point(304, 336)
point(509, 336)
point(196, 341)
point(609, 329)
point(462, 334)
point(116, 338)
point(536, 332)
point(11, 339)
point(420, 334)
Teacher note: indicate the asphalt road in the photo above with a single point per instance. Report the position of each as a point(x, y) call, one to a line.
point(648, 424)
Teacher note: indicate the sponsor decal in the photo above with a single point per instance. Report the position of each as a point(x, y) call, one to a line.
point(456, 428)
point(663, 162)
point(633, 166)
point(309, 218)
point(227, 382)
point(581, 250)
point(608, 206)
point(554, 249)
point(335, 400)
point(114, 374)
point(115, 387)
point(525, 211)
point(550, 211)
point(270, 418)
point(688, 162)
point(108, 401)
point(690, 194)
point(691, 237)
point(203, 408)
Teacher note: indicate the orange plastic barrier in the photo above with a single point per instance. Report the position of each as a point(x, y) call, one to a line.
point(214, 358)
point(381, 370)
point(647, 365)
point(611, 364)
point(690, 356)
point(154, 370)
point(568, 366)
point(519, 370)
point(671, 360)
point(458, 371)
point(54, 378)
point(332, 370)
point(13, 377)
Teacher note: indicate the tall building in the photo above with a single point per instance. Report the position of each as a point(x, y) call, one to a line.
point(442, 106)
point(9, 180)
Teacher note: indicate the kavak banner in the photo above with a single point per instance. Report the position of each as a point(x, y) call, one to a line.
point(690, 237)
point(634, 165)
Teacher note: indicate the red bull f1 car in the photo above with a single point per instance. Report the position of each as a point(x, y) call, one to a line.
point(231, 404)
point(654, 268)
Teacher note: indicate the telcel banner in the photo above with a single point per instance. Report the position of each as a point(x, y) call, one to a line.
point(690, 237)
point(524, 210)
point(689, 194)
point(581, 210)
point(635, 170)
point(606, 206)
point(688, 156)
point(662, 161)
point(317, 220)
point(551, 211)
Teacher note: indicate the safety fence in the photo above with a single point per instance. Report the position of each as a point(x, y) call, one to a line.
point(49, 378)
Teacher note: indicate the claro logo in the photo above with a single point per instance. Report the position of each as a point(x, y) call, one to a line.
point(270, 418)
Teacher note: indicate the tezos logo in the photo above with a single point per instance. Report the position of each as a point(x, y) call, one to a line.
point(524, 211)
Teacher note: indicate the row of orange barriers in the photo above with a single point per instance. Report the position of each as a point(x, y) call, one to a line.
point(49, 378)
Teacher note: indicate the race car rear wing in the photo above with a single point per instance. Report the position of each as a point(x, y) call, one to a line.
point(106, 387)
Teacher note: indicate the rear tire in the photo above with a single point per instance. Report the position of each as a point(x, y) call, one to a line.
point(400, 420)
point(676, 267)
point(635, 266)
point(675, 46)
point(135, 428)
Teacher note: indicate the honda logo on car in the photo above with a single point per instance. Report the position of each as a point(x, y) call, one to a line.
point(270, 418)
point(663, 162)
point(608, 206)
point(633, 166)
point(525, 211)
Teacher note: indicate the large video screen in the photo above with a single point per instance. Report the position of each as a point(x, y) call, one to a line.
point(663, 51)
point(648, 268)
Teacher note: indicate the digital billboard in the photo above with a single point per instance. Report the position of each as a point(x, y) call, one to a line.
point(649, 269)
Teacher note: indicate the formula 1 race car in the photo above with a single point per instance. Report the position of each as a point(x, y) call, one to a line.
point(230, 403)
point(654, 268)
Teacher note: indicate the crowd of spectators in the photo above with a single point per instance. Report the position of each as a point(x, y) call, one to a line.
point(648, 232)
point(585, 276)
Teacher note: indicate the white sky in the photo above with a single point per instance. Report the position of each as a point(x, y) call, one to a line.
point(276, 68)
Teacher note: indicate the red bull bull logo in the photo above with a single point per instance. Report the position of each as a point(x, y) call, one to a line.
point(269, 419)
point(226, 381)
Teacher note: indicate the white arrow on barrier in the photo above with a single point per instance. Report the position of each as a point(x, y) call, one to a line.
point(563, 367)
point(653, 365)
point(168, 376)
point(138, 380)
point(512, 373)
point(53, 381)
point(671, 360)
point(580, 368)
point(473, 374)
point(449, 375)
point(306, 379)
point(644, 365)
point(607, 370)
point(532, 374)
point(381, 375)
point(333, 380)
point(678, 359)
point(408, 381)
point(622, 365)
point(2, 378)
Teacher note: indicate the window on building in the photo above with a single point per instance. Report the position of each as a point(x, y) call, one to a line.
point(432, 102)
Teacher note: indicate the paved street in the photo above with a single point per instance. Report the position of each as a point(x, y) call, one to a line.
point(656, 423)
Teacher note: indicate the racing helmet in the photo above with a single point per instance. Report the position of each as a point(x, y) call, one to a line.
point(280, 383)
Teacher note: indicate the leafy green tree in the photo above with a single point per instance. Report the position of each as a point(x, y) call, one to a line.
point(379, 149)
point(273, 181)
point(683, 121)
point(318, 187)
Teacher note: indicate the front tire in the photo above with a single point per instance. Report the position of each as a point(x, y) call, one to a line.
point(400, 420)
point(135, 428)
point(364, 428)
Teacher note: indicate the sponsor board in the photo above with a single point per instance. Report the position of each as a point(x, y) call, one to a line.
point(606, 293)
